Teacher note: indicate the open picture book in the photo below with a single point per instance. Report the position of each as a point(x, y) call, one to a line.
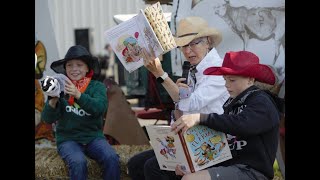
point(148, 29)
point(196, 149)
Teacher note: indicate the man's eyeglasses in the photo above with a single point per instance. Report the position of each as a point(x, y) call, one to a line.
point(192, 45)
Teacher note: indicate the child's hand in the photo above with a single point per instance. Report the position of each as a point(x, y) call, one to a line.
point(180, 170)
point(71, 89)
point(53, 102)
point(185, 122)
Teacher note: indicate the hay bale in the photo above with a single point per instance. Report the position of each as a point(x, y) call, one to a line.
point(49, 165)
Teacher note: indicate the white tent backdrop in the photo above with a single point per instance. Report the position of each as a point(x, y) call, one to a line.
point(252, 25)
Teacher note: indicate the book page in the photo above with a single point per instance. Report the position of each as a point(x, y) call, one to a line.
point(129, 37)
point(157, 20)
point(206, 146)
point(126, 42)
point(167, 147)
point(149, 35)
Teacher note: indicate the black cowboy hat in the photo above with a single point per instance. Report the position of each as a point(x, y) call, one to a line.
point(77, 52)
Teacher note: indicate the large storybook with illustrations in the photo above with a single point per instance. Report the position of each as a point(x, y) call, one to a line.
point(196, 149)
point(148, 29)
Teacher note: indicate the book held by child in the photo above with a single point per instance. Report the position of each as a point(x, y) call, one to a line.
point(148, 29)
point(196, 149)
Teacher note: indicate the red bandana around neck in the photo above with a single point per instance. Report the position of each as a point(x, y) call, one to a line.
point(81, 85)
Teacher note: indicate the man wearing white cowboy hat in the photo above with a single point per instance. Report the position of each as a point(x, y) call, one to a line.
point(197, 42)
point(79, 116)
point(250, 120)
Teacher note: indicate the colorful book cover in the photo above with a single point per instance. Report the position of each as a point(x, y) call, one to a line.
point(198, 148)
point(206, 146)
point(148, 29)
point(167, 147)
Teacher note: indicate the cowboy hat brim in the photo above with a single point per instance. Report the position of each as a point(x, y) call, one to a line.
point(260, 72)
point(93, 63)
point(184, 40)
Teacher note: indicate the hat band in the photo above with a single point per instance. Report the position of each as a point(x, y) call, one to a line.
point(189, 34)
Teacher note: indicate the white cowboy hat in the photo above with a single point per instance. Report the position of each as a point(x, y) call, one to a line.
point(191, 28)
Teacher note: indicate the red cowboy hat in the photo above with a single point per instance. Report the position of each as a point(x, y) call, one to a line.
point(243, 63)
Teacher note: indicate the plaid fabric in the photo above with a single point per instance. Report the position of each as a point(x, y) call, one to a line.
point(193, 70)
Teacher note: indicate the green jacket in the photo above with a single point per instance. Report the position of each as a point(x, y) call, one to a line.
point(83, 121)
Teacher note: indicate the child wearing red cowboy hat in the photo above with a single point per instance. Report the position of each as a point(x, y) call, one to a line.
point(80, 117)
point(250, 120)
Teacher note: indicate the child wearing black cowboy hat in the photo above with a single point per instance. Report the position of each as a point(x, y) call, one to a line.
point(250, 120)
point(79, 117)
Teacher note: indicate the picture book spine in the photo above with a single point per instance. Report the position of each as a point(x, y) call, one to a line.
point(186, 152)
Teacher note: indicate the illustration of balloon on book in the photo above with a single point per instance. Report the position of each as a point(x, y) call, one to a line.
point(129, 47)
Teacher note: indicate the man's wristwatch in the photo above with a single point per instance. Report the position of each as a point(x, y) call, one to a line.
point(162, 78)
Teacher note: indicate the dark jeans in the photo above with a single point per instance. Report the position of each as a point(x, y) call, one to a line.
point(144, 166)
point(98, 149)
